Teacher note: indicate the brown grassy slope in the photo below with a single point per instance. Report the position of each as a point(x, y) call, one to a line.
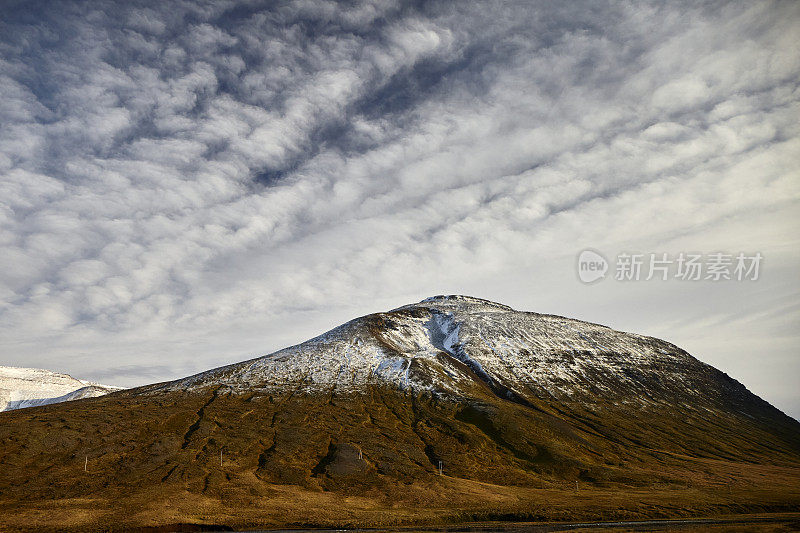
point(372, 459)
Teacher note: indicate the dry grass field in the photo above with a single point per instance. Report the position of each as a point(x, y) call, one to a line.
point(132, 460)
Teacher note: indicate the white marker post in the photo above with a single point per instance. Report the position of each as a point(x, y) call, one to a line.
point(86, 464)
point(440, 468)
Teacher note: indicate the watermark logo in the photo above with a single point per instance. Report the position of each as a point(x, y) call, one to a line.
point(718, 266)
point(591, 266)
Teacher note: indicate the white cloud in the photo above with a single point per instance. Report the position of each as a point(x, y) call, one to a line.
point(186, 181)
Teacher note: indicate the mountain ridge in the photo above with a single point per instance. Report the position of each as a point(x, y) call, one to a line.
point(392, 345)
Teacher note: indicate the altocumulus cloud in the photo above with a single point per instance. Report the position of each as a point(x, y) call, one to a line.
point(187, 183)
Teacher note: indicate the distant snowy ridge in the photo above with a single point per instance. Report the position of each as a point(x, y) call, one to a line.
point(31, 387)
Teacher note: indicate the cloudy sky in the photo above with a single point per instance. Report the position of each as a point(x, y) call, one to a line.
point(188, 184)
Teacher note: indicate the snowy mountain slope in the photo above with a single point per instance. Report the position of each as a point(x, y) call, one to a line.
point(30, 387)
point(447, 344)
point(501, 370)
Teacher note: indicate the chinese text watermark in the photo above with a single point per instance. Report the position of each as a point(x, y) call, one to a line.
point(719, 266)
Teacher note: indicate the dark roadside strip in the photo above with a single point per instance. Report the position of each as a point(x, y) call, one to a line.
point(635, 525)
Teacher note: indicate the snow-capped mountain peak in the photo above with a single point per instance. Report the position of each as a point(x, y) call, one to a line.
point(451, 344)
point(29, 387)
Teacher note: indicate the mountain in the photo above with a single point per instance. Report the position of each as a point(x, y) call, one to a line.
point(452, 409)
point(29, 387)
